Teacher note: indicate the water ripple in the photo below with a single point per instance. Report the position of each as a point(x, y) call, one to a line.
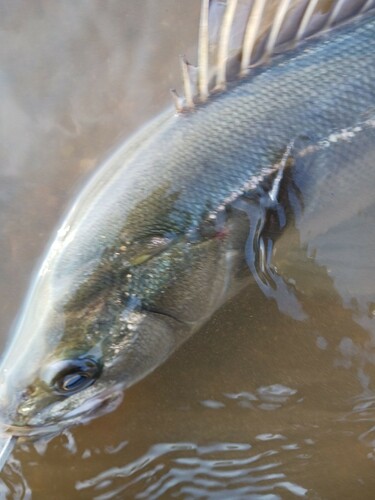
point(187, 470)
point(13, 483)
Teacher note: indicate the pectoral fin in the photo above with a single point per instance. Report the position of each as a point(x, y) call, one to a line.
point(259, 207)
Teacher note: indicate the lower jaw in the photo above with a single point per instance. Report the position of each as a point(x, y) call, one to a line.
point(95, 408)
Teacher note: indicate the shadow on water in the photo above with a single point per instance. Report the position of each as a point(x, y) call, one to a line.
point(256, 404)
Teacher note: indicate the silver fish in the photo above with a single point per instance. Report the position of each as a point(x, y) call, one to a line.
point(172, 224)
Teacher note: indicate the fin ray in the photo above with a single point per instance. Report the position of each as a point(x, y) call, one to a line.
point(188, 87)
point(276, 27)
point(203, 52)
point(224, 44)
point(335, 12)
point(177, 101)
point(367, 5)
point(250, 37)
point(309, 11)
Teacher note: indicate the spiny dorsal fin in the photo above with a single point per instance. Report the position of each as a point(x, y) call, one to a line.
point(237, 35)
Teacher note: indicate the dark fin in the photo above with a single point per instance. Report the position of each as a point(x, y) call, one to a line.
point(258, 254)
point(237, 35)
point(259, 245)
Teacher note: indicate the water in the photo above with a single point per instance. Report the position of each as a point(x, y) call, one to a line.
point(256, 405)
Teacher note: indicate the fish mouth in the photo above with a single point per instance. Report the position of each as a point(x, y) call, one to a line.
point(94, 407)
point(29, 431)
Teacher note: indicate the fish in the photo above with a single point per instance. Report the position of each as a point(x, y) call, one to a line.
point(174, 223)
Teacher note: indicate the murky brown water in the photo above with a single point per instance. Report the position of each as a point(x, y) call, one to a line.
point(256, 405)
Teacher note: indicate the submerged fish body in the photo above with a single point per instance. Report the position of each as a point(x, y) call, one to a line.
point(155, 243)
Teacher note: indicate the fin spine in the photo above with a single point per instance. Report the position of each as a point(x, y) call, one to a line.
point(177, 101)
point(366, 6)
point(335, 12)
point(188, 89)
point(276, 27)
point(250, 37)
point(224, 44)
point(306, 19)
point(203, 52)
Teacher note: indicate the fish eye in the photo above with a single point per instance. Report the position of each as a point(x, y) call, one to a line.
point(74, 382)
point(70, 376)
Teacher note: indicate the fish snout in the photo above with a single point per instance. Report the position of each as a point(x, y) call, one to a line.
point(16, 401)
point(9, 398)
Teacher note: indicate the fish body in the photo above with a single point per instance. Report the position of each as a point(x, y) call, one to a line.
point(156, 241)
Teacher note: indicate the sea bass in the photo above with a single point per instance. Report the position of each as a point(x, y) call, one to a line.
point(171, 226)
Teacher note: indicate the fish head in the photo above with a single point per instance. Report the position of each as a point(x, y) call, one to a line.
point(94, 326)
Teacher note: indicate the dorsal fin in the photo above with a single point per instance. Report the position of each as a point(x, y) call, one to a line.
point(237, 35)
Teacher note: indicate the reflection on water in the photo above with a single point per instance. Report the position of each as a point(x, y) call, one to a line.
point(256, 404)
point(188, 470)
point(14, 484)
